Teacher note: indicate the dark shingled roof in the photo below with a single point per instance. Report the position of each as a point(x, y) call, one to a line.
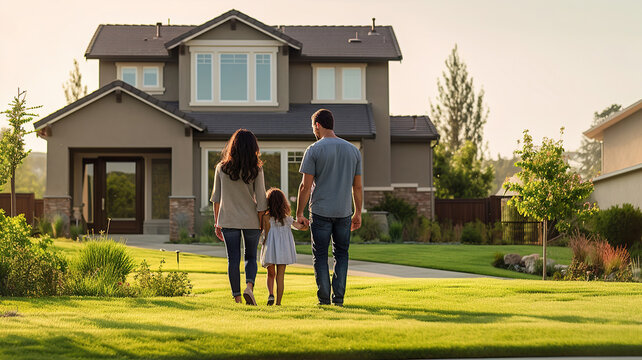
point(111, 86)
point(316, 42)
point(331, 42)
point(269, 29)
point(404, 128)
point(352, 121)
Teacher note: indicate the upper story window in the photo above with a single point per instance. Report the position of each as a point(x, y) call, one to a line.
point(233, 76)
point(339, 83)
point(145, 76)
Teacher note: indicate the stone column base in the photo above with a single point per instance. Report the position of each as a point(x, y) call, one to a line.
point(54, 206)
point(421, 199)
point(181, 215)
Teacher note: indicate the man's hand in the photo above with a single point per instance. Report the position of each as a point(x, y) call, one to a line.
point(302, 220)
point(356, 222)
point(219, 233)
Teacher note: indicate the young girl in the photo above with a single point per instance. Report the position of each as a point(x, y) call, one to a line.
point(278, 247)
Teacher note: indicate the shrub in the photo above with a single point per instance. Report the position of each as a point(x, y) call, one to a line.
point(399, 208)
point(301, 236)
point(385, 238)
point(435, 232)
point(370, 229)
point(498, 261)
point(594, 258)
point(620, 226)
point(157, 284)
point(104, 258)
point(58, 226)
point(26, 268)
point(44, 227)
point(472, 233)
point(550, 269)
point(395, 230)
point(495, 233)
point(580, 245)
point(356, 239)
point(75, 232)
point(425, 229)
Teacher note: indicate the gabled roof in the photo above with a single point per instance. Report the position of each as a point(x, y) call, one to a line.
point(410, 128)
point(597, 131)
point(122, 86)
point(352, 122)
point(139, 42)
point(233, 14)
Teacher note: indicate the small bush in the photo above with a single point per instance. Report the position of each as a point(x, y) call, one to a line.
point(596, 259)
point(44, 227)
point(370, 229)
point(104, 258)
point(620, 226)
point(472, 233)
point(385, 238)
point(302, 236)
point(498, 261)
point(399, 208)
point(58, 226)
point(356, 239)
point(75, 232)
point(550, 269)
point(495, 233)
point(395, 230)
point(157, 284)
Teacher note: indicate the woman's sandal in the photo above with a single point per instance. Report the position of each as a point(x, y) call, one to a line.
point(270, 300)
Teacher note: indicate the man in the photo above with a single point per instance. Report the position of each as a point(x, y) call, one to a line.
point(331, 169)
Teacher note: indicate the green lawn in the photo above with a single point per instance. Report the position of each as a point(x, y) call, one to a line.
point(474, 259)
point(383, 318)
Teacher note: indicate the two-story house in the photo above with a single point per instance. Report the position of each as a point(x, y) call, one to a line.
point(620, 180)
point(138, 154)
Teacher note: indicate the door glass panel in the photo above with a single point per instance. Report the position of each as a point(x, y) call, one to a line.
point(272, 169)
point(88, 193)
point(161, 187)
point(120, 184)
point(294, 176)
point(213, 158)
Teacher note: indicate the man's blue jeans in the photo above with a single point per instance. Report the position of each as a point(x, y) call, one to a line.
point(323, 229)
point(233, 247)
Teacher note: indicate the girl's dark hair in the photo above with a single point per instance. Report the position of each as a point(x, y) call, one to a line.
point(277, 205)
point(241, 158)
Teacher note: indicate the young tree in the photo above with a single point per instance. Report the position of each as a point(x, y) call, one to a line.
point(548, 190)
point(590, 151)
point(461, 175)
point(12, 144)
point(73, 88)
point(459, 113)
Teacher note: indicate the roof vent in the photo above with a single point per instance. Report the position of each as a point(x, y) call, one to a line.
point(373, 30)
point(158, 28)
point(355, 39)
point(414, 123)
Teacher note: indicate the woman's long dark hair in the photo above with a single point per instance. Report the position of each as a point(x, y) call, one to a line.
point(241, 158)
point(277, 205)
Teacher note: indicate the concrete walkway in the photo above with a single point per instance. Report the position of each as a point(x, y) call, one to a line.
point(356, 267)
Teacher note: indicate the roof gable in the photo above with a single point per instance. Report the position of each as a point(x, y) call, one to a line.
point(597, 131)
point(233, 15)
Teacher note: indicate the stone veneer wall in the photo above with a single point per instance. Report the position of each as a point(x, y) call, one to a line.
point(422, 199)
point(181, 213)
point(58, 206)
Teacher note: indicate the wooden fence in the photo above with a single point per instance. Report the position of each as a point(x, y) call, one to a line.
point(26, 204)
point(460, 211)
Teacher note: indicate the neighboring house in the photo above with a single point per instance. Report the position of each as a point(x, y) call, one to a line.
point(141, 149)
point(620, 180)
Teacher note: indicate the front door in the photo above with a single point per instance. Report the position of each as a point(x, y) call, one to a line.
point(119, 195)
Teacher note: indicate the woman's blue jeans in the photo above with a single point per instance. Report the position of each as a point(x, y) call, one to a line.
point(233, 248)
point(325, 229)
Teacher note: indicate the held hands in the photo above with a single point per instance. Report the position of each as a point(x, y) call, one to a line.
point(219, 233)
point(356, 222)
point(303, 221)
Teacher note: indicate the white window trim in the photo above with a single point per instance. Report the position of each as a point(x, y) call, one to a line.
point(338, 83)
point(250, 51)
point(140, 67)
point(266, 146)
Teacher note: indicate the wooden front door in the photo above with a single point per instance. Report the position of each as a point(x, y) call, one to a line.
point(119, 205)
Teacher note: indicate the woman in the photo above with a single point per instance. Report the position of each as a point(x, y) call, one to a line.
point(239, 203)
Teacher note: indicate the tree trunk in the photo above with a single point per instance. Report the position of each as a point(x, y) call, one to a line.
point(14, 210)
point(544, 238)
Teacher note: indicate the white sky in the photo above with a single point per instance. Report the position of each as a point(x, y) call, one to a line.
point(543, 64)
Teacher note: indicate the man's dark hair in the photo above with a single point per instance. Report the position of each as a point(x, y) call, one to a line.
point(324, 117)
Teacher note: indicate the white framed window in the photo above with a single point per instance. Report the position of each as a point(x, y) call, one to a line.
point(145, 76)
point(233, 84)
point(204, 77)
point(281, 162)
point(128, 75)
point(233, 76)
point(339, 83)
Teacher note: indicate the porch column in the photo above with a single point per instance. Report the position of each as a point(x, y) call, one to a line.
point(182, 201)
point(57, 201)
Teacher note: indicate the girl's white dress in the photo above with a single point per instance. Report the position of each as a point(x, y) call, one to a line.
point(278, 247)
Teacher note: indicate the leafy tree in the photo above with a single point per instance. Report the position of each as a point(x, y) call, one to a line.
point(73, 88)
point(590, 151)
point(459, 113)
point(30, 175)
point(548, 190)
point(12, 144)
point(461, 175)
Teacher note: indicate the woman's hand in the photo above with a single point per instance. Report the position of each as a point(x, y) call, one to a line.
point(219, 233)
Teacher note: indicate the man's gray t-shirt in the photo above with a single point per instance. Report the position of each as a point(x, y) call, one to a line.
point(334, 163)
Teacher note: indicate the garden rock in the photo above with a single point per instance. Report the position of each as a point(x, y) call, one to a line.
point(525, 257)
point(529, 262)
point(512, 259)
